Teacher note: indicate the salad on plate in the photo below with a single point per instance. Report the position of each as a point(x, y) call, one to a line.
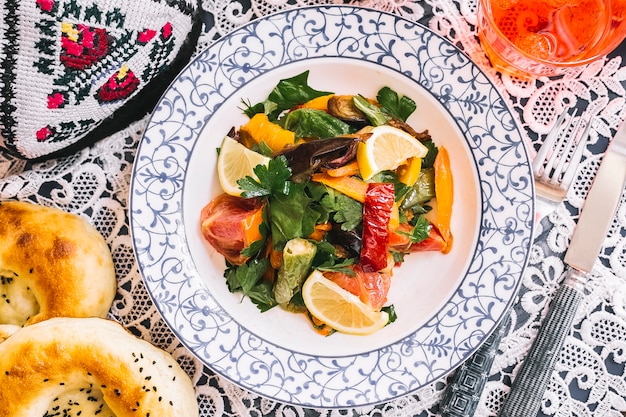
point(324, 195)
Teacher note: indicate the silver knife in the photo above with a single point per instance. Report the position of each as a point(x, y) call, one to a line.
point(531, 382)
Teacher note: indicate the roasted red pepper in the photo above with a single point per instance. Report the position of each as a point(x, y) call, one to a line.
point(377, 208)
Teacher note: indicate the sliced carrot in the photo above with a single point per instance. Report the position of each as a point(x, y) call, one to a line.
point(445, 196)
point(318, 103)
point(347, 170)
point(260, 129)
point(276, 258)
point(320, 231)
point(409, 172)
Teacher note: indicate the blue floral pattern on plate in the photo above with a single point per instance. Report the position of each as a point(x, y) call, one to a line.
point(445, 339)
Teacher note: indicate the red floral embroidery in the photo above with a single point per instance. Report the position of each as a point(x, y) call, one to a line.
point(43, 134)
point(45, 5)
point(82, 45)
point(166, 30)
point(56, 100)
point(146, 36)
point(119, 86)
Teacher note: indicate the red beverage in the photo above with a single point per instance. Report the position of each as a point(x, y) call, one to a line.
point(542, 37)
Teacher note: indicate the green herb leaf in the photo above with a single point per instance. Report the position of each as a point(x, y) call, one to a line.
point(391, 311)
point(326, 259)
point(249, 274)
point(399, 188)
point(344, 210)
point(291, 215)
point(261, 296)
point(313, 123)
point(341, 265)
point(420, 231)
point(429, 160)
point(248, 279)
point(317, 192)
point(374, 114)
point(287, 94)
point(398, 257)
point(400, 108)
point(348, 212)
point(273, 179)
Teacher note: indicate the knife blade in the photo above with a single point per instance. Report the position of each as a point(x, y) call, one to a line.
point(529, 385)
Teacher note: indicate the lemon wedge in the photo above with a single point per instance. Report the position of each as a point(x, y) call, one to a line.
point(386, 149)
point(340, 309)
point(234, 162)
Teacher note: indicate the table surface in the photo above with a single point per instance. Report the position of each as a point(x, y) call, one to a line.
point(590, 378)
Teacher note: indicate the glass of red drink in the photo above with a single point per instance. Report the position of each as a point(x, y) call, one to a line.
point(530, 38)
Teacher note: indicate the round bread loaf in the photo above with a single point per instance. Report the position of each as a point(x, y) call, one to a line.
point(52, 264)
point(87, 367)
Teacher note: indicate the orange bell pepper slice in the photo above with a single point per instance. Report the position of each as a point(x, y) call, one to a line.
point(260, 129)
point(318, 103)
point(444, 191)
point(350, 186)
point(347, 170)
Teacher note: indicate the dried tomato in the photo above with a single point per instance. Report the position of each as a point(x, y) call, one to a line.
point(377, 208)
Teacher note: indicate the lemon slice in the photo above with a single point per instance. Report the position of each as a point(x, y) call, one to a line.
point(340, 309)
point(234, 162)
point(387, 149)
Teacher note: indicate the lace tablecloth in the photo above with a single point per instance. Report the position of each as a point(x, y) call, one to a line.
point(590, 378)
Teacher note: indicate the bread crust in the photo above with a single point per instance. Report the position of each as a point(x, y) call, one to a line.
point(52, 264)
point(39, 363)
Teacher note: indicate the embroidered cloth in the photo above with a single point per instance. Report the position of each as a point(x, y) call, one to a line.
point(67, 67)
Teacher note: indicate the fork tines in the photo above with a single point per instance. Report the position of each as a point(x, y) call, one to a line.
point(558, 157)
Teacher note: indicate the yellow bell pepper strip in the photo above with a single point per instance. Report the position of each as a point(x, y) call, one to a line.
point(318, 103)
point(409, 172)
point(260, 129)
point(445, 196)
point(376, 214)
point(350, 186)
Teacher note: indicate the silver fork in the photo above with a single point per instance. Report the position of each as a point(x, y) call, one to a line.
point(554, 169)
point(557, 161)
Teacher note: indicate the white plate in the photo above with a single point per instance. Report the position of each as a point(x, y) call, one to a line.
point(446, 304)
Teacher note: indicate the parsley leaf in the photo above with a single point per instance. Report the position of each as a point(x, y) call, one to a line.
point(273, 179)
point(393, 316)
point(429, 160)
point(248, 279)
point(262, 296)
point(345, 210)
point(291, 215)
point(326, 259)
point(287, 94)
point(420, 230)
point(400, 108)
point(342, 265)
